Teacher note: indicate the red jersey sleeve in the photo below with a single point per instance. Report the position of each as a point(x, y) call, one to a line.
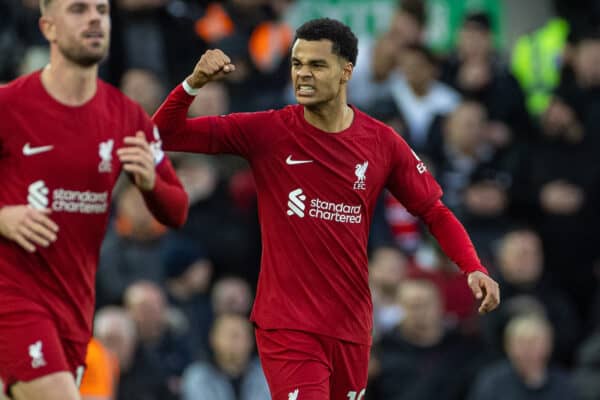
point(168, 201)
point(409, 181)
point(420, 193)
point(243, 134)
point(452, 237)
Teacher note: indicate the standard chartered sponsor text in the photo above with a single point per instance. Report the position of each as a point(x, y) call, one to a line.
point(338, 212)
point(75, 201)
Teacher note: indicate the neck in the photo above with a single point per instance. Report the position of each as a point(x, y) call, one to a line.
point(69, 83)
point(331, 117)
point(233, 368)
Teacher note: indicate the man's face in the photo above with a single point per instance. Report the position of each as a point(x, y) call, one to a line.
point(417, 69)
point(80, 29)
point(317, 73)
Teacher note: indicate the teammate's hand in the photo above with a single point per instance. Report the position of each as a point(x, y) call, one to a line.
point(485, 288)
point(138, 160)
point(27, 226)
point(213, 65)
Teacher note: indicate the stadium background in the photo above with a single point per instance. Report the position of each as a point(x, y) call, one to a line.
point(502, 101)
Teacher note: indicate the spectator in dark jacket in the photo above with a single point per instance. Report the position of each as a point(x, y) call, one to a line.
point(527, 374)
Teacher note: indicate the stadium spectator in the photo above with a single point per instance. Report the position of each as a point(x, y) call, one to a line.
point(527, 374)
point(415, 358)
point(232, 373)
point(143, 87)
point(131, 250)
point(387, 268)
point(478, 72)
point(587, 368)
point(231, 295)
point(188, 276)
point(141, 375)
point(476, 178)
point(100, 379)
point(158, 335)
point(520, 265)
point(418, 96)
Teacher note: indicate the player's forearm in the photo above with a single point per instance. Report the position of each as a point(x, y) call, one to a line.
point(452, 237)
point(178, 132)
point(168, 201)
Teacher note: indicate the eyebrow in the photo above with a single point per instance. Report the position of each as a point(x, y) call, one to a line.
point(313, 61)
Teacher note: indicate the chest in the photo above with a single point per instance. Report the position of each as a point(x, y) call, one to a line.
point(349, 165)
point(74, 149)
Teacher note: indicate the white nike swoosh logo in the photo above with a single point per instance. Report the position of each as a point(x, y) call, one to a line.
point(289, 161)
point(30, 151)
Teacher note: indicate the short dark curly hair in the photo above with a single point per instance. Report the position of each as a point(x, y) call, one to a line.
point(345, 43)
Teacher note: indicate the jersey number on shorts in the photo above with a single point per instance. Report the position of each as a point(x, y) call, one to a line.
point(352, 395)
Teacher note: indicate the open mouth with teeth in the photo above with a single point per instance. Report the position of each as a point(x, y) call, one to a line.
point(305, 90)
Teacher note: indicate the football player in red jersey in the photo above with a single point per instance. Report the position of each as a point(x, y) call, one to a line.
point(65, 137)
point(319, 168)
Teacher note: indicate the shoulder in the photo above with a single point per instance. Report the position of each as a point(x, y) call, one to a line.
point(496, 374)
point(17, 87)
point(372, 124)
point(200, 370)
point(444, 95)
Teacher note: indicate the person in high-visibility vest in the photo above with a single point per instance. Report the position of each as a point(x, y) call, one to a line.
point(537, 59)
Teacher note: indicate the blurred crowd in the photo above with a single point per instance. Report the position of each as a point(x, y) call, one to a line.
point(512, 135)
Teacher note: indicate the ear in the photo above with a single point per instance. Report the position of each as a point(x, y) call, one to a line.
point(347, 72)
point(48, 28)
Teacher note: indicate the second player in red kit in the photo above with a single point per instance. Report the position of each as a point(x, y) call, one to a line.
point(65, 137)
point(319, 168)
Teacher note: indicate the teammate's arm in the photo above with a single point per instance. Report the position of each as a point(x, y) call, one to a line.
point(163, 192)
point(28, 227)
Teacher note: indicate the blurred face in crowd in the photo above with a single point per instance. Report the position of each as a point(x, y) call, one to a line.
point(388, 268)
point(405, 29)
point(520, 257)
point(145, 302)
point(423, 312)
point(319, 76)
point(143, 87)
point(465, 127)
point(115, 329)
point(528, 342)
point(231, 295)
point(587, 62)
point(232, 342)
point(418, 70)
point(211, 100)
point(474, 42)
point(79, 29)
point(198, 176)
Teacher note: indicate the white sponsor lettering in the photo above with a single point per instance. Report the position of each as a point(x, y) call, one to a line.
point(71, 201)
point(325, 210)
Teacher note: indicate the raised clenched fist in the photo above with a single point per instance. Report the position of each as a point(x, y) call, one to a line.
point(213, 65)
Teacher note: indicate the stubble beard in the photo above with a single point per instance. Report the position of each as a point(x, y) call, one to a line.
point(81, 56)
